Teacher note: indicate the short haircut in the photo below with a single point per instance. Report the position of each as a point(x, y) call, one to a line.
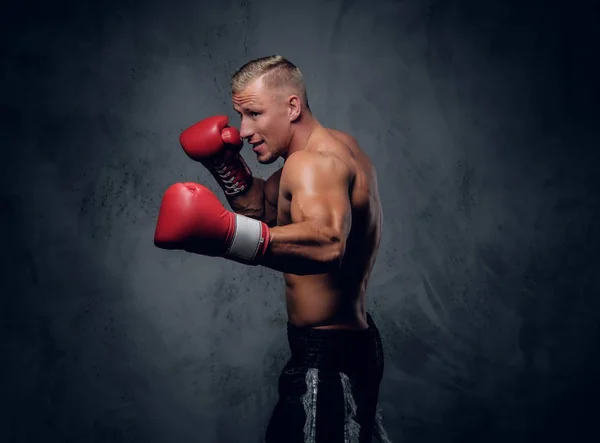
point(277, 73)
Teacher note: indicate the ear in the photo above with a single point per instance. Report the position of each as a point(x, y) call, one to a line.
point(294, 107)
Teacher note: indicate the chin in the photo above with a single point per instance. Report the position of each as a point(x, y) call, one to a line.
point(267, 158)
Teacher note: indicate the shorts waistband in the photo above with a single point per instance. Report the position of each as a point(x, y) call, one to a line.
point(312, 327)
point(333, 347)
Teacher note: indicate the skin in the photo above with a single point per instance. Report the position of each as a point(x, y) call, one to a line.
point(323, 207)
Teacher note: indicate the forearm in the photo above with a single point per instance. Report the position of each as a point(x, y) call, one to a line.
point(303, 248)
point(251, 203)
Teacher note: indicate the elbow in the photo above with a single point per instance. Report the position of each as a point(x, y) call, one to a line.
point(329, 259)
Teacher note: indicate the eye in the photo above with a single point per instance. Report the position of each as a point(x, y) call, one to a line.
point(254, 114)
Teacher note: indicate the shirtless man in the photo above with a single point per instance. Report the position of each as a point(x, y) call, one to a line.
point(318, 220)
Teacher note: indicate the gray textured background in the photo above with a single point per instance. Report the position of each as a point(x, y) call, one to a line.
point(480, 119)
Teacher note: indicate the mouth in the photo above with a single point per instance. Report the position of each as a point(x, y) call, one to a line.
point(255, 146)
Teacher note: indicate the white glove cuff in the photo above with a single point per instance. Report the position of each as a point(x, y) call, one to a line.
point(247, 238)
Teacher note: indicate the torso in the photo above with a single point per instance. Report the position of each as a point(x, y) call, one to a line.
point(337, 300)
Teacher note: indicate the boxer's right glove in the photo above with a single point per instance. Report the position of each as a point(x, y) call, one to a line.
point(192, 218)
point(217, 146)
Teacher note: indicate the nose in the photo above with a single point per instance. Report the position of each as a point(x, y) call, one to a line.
point(245, 129)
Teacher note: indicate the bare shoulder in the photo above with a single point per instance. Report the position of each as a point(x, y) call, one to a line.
point(314, 162)
point(360, 159)
point(314, 168)
point(344, 137)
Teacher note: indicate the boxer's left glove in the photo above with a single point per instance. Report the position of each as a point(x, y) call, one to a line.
point(193, 219)
point(217, 146)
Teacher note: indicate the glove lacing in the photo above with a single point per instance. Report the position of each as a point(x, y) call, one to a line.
point(230, 185)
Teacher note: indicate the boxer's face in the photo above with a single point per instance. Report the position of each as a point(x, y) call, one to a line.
point(265, 121)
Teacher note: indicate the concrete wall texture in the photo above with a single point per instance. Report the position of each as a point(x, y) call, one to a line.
point(479, 117)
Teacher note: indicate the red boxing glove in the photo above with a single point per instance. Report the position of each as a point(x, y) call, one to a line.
point(192, 218)
point(217, 145)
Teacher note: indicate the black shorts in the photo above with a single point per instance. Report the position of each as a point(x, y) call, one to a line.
point(329, 389)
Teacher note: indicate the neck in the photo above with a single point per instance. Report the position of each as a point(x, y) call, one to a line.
point(302, 132)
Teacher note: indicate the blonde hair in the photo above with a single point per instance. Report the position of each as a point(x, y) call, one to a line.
point(278, 73)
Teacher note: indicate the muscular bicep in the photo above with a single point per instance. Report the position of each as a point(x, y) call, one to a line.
point(326, 207)
point(319, 193)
